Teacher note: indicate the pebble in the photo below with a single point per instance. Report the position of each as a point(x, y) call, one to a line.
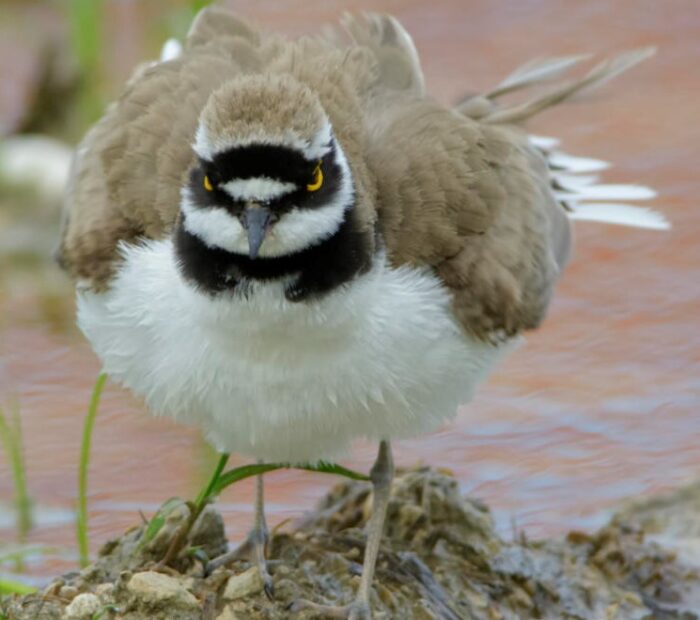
point(68, 593)
point(156, 588)
point(82, 607)
point(228, 614)
point(245, 584)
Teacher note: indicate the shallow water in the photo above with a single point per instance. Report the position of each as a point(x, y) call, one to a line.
point(599, 405)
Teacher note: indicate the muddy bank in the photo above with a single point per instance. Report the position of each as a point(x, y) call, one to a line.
point(441, 559)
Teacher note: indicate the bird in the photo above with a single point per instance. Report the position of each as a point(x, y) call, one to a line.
point(290, 244)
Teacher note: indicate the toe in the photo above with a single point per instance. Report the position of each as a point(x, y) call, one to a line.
point(268, 587)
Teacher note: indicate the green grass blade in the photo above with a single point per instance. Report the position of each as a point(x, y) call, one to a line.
point(86, 35)
point(332, 468)
point(158, 521)
point(82, 518)
point(11, 438)
point(207, 492)
point(14, 587)
point(246, 471)
point(197, 5)
point(241, 473)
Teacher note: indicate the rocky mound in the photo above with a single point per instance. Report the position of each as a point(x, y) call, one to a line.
point(441, 559)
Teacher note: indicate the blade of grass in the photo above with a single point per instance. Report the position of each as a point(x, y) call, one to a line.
point(157, 522)
point(206, 493)
point(86, 35)
point(81, 522)
point(197, 5)
point(241, 473)
point(14, 587)
point(220, 481)
point(11, 438)
point(333, 469)
point(246, 471)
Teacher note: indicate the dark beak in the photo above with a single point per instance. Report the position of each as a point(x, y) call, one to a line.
point(256, 221)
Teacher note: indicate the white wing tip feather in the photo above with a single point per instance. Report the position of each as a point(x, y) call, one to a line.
point(605, 192)
point(587, 200)
point(622, 214)
point(546, 143)
point(567, 162)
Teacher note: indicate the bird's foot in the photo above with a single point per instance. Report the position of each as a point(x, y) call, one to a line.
point(357, 610)
point(254, 548)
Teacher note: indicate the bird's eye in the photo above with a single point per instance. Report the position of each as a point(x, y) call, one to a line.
point(317, 180)
point(207, 184)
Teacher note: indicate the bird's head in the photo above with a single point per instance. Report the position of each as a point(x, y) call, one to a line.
point(270, 178)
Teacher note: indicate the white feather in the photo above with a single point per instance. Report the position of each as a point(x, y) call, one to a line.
point(380, 357)
point(626, 215)
point(257, 188)
point(575, 164)
point(608, 192)
point(546, 143)
point(575, 181)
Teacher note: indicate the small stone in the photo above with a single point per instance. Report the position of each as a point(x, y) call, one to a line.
point(286, 589)
point(282, 570)
point(157, 589)
point(228, 614)
point(83, 607)
point(105, 590)
point(68, 593)
point(54, 587)
point(245, 584)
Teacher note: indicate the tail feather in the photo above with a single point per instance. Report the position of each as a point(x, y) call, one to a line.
point(559, 160)
point(535, 72)
point(585, 199)
point(626, 215)
point(600, 74)
point(607, 192)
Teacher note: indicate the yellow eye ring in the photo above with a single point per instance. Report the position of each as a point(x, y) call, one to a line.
point(207, 184)
point(318, 179)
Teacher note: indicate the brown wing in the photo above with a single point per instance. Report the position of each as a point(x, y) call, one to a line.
point(129, 169)
point(473, 202)
point(466, 193)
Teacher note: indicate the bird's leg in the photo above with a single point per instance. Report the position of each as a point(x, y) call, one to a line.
point(254, 546)
point(381, 475)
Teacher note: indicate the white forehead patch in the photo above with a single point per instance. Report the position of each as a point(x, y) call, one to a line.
point(208, 146)
point(257, 188)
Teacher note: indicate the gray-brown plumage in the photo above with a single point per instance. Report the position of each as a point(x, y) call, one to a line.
point(469, 197)
point(290, 244)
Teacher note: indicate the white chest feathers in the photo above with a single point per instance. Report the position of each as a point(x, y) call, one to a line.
point(381, 357)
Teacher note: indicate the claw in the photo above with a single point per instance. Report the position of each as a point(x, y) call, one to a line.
point(269, 588)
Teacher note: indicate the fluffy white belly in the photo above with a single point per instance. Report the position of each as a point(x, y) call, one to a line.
point(379, 358)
